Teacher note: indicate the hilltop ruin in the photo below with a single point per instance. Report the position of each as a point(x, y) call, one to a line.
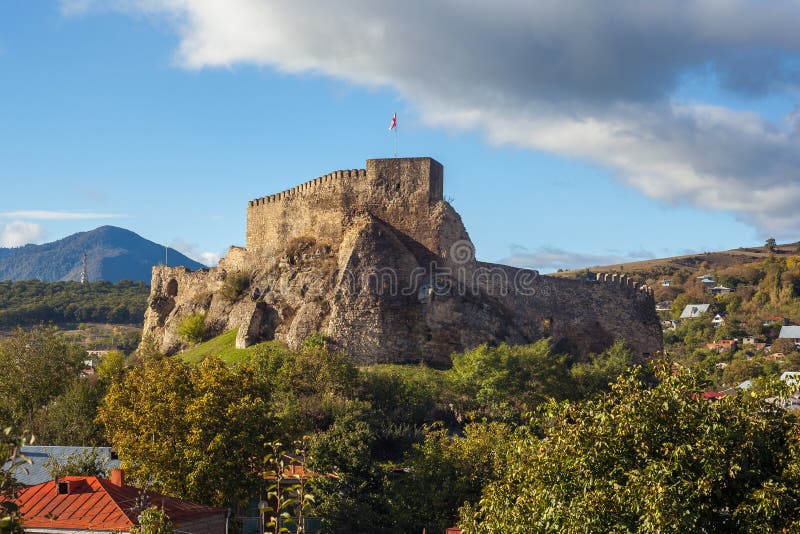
point(377, 261)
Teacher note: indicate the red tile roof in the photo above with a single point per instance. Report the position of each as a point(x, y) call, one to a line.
point(97, 504)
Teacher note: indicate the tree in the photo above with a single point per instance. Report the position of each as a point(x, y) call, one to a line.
point(770, 244)
point(502, 382)
point(444, 472)
point(597, 375)
point(354, 499)
point(10, 460)
point(193, 328)
point(79, 464)
point(153, 521)
point(193, 432)
point(36, 366)
point(642, 459)
point(737, 371)
point(70, 418)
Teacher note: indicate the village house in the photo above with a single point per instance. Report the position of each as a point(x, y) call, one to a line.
point(91, 504)
point(692, 311)
point(723, 345)
point(718, 320)
point(790, 332)
point(775, 320)
point(720, 290)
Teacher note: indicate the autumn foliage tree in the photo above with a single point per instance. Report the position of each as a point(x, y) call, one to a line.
point(192, 432)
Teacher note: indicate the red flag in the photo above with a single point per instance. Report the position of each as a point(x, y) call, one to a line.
point(394, 122)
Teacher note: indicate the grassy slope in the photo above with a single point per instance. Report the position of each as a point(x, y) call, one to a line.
point(222, 346)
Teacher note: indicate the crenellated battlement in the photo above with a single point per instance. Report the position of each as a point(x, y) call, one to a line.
point(310, 186)
point(400, 191)
point(624, 281)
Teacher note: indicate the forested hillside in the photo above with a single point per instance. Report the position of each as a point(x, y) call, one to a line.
point(32, 302)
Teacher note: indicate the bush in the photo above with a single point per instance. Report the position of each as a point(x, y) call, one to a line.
point(235, 285)
point(193, 328)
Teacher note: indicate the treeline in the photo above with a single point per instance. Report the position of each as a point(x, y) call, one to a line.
point(32, 302)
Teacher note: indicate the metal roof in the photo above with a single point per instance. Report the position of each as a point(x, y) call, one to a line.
point(38, 455)
point(790, 332)
point(694, 310)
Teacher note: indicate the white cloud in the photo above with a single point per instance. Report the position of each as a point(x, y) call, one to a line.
point(19, 233)
point(209, 258)
point(192, 250)
point(579, 78)
point(59, 215)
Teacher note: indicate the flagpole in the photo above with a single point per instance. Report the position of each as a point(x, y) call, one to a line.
point(395, 141)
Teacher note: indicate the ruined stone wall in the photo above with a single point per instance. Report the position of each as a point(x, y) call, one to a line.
point(583, 316)
point(403, 192)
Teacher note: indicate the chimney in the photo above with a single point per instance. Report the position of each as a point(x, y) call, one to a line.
point(118, 477)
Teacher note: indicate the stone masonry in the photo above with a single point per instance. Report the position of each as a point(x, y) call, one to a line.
point(377, 261)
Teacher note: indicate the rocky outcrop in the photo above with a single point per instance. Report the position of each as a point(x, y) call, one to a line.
point(380, 264)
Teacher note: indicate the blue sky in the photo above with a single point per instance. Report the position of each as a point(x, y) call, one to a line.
point(571, 135)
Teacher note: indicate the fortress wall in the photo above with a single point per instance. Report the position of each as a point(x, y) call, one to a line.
point(315, 208)
point(586, 315)
point(400, 191)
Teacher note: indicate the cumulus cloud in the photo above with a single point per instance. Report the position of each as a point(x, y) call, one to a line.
point(193, 251)
point(548, 258)
point(19, 233)
point(585, 79)
point(59, 215)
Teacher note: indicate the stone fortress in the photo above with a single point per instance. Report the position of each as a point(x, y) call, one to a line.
point(380, 264)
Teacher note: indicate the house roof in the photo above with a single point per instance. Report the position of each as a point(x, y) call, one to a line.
point(694, 310)
point(790, 332)
point(38, 455)
point(94, 503)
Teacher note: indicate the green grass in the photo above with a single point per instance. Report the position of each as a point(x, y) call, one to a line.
point(223, 346)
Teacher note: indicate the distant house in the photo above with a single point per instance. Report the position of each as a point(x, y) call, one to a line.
point(666, 282)
point(720, 290)
point(692, 311)
point(708, 282)
point(718, 320)
point(775, 357)
point(775, 320)
point(39, 455)
point(790, 332)
point(723, 345)
point(91, 504)
point(712, 395)
point(664, 305)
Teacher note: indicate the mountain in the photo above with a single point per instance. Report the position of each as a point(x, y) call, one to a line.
point(112, 254)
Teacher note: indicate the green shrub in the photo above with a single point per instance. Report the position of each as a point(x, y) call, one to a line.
point(193, 328)
point(235, 284)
